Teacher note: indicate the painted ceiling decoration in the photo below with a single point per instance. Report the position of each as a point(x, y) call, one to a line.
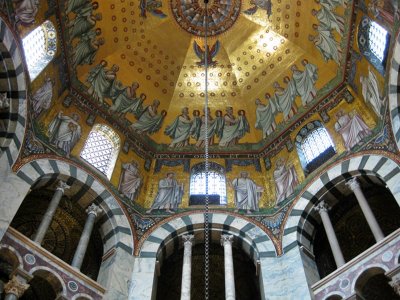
point(141, 62)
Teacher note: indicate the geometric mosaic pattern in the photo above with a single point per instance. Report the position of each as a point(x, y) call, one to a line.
point(114, 226)
point(299, 226)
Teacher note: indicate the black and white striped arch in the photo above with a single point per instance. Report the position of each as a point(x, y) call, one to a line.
point(114, 226)
point(394, 90)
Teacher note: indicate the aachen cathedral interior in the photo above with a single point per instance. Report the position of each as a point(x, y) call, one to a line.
point(191, 149)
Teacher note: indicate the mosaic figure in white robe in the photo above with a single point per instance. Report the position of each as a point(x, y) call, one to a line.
point(233, 128)
point(26, 10)
point(214, 128)
point(169, 194)
point(285, 98)
point(130, 180)
point(370, 91)
point(149, 121)
point(352, 128)
point(64, 132)
point(125, 100)
point(265, 115)
point(285, 180)
point(326, 43)
point(305, 82)
point(329, 19)
point(101, 81)
point(246, 193)
point(41, 100)
point(179, 130)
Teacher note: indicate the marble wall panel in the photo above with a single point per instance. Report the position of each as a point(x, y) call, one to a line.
point(142, 285)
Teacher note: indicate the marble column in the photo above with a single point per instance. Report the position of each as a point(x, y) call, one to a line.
point(93, 211)
point(226, 241)
point(187, 266)
point(395, 284)
point(322, 209)
point(15, 288)
point(48, 216)
point(366, 209)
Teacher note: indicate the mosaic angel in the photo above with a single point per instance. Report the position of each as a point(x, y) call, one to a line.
point(259, 4)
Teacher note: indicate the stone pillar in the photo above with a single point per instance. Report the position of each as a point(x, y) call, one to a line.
point(15, 288)
point(187, 266)
point(322, 208)
point(395, 284)
point(226, 241)
point(373, 224)
point(93, 210)
point(48, 216)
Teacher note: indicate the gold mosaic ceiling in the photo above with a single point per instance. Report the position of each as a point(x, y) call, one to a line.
point(255, 50)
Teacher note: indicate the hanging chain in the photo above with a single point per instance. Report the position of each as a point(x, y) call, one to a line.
point(206, 208)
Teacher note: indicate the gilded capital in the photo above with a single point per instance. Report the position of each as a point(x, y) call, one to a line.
point(16, 287)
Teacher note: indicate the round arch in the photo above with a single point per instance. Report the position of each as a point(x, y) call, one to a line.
point(114, 226)
point(394, 90)
point(383, 167)
point(13, 93)
point(51, 277)
point(254, 241)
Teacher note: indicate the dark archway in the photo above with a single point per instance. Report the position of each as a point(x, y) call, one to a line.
point(246, 281)
point(352, 229)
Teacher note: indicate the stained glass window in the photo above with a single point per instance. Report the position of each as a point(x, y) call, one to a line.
point(101, 149)
point(40, 46)
point(216, 181)
point(316, 143)
point(377, 40)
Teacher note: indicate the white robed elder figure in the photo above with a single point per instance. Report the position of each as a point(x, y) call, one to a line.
point(246, 193)
point(179, 130)
point(130, 180)
point(352, 128)
point(285, 180)
point(326, 43)
point(214, 128)
point(26, 11)
point(370, 91)
point(265, 115)
point(149, 121)
point(169, 194)
point(64, 132)
point(41, 100)
point(285, 98)
point(329, 19)
point(233, 128)
point(304, 82)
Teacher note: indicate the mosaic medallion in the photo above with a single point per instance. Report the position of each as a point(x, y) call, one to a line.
point(221, 15)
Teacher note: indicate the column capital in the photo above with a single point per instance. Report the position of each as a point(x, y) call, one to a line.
point(16, 286)
point(395, 284)
point(62, 186)
point(226, 239)
point(322, 207)
point(353, 184)
point(93, 209)
point(187, 239)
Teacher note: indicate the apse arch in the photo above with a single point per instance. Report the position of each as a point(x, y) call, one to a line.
point(254, 241)
point(114, 226)
point(394, 91)
point(382, 167)
point(13, 92)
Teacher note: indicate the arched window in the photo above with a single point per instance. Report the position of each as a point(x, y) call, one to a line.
point(40, 46)
point(216, 184)
point(314, 146)
point(101, 149)
point(373, 41)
